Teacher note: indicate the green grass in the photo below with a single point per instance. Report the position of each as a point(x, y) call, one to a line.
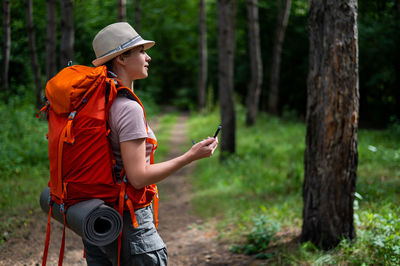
point(264, 179)
point(163, 133)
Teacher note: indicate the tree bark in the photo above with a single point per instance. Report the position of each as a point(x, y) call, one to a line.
point(226, 11)
point(33, 54)
point(51, 39)
point(67, 32)
point(332, 120)
point(138, 16)
point(254, 88)
point(122, 10)
point(202, 81)
point(282, 22)
point(6, 44)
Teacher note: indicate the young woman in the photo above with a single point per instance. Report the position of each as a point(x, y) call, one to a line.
point(123, 51)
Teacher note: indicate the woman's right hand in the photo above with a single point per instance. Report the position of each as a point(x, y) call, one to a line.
point(202, 149)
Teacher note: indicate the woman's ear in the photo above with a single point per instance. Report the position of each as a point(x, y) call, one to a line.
point(120, 59)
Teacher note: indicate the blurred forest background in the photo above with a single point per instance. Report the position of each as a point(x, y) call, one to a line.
point(174, 68)
point(259, 187)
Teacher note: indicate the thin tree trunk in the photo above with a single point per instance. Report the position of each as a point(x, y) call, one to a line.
point(202, 82)
point(138, 15)
point(6, 44)
point(67, 32)
point(122, 10)
point(33, 53)
point(226, 47)
point(51, 39)
point(397, 58)
point(282, 22)
point(254, 89)
point(332, 120)
point(138, 21)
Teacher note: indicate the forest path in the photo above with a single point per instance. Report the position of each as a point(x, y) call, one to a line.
point(188, 241)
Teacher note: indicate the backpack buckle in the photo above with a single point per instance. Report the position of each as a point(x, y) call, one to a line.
point(72, 115)
point(62, 210)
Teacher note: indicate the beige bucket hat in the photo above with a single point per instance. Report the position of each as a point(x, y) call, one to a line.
point(114, 40)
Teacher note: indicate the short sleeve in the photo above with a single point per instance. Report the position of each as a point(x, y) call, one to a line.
point(127, 120)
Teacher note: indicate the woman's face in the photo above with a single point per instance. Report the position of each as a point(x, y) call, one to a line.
point(137, 63)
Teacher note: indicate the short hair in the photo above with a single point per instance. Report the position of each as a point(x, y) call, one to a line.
point(109, 64)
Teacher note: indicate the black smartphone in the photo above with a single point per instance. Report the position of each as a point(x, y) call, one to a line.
point(216, 132)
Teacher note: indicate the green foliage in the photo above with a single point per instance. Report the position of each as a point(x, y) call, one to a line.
point(22, 139)
point(23, 163)
point(260, 236)
point(265, 176)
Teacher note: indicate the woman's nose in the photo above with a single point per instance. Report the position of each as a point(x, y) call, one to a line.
point(148, 58)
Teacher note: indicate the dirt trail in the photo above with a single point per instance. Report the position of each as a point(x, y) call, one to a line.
point(186, 243)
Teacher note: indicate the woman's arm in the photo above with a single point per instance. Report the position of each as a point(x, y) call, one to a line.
point(140, 175)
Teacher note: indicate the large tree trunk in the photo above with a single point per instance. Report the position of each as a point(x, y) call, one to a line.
point(6, 44)
point(33, 53)
point(332, 122)
point(67, 32)
point(202, 82)
point(122, 10)
point(226, 47)
point(51, 39)
point(138, 16)
point(282, 22)
point(254, 89)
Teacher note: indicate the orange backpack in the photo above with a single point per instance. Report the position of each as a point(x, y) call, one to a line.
point(81, 160)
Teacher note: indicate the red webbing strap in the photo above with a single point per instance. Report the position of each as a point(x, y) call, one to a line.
point(44, 108)
point(111, 97)
point(59, 188)
point(121, 212)
point(47, 242)
point(156, 200)
point(155, 144)
point(68, 137)
point(132, 211)
point(62, 247)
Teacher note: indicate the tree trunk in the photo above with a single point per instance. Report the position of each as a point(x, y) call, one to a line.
point(138, 21)
point(282, 22)
point(33, 53)
point(397, 55)
point(226, 47)
point(138, 15)
point(67, 32)
point(202, 82)
point(332, 120)
point(51, 40)
point(6, 44)
point(254, 89)
point(122, 10)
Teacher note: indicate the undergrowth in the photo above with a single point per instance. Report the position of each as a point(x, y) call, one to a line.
point(264, 179)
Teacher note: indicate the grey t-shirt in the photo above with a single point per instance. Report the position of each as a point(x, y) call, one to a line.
point(127, 122)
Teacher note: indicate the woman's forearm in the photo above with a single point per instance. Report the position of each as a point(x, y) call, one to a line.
point(140, 175)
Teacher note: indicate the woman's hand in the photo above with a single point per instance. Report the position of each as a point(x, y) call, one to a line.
point(202, 149)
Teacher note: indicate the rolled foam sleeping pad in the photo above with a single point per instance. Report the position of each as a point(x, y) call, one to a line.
point(95, 222)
